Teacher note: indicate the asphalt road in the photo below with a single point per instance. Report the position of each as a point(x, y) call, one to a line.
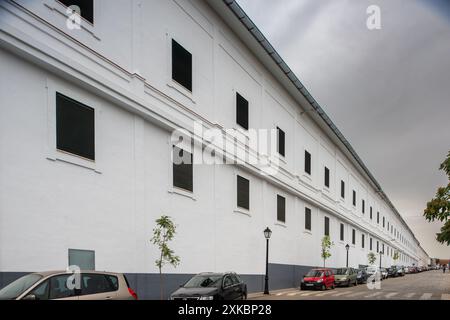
point(429, 285)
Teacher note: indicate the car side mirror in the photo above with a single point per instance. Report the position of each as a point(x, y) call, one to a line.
point(30, 297)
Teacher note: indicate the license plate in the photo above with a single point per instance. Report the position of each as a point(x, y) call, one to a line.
point(309, 284)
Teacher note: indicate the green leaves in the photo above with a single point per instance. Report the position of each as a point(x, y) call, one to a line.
point(396, 256)
point(438, 208)
point(371, 257)
point(326, 247)
point(163, 233)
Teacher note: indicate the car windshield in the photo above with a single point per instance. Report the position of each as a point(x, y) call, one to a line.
point(371, 269)
point(314, 273)
point(341, 271)
point(204, 281)
point(16, 288)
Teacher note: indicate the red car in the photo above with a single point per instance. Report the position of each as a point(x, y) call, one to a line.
point(320, 278)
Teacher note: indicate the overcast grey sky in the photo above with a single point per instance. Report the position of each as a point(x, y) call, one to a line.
point(387, 90)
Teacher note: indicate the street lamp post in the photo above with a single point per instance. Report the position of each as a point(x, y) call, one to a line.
point(267, 234)
point(347, 247)
point(381, 254)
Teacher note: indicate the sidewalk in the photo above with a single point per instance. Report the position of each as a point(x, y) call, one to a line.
point(254, 295)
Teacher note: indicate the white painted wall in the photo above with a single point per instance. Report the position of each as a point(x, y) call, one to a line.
point(49, 203)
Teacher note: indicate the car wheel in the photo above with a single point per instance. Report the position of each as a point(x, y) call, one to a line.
point(323, 287)
point(333, 286)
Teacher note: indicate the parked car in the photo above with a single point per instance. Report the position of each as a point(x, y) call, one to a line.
point(53, 285)
point(345, 277)
point(407, 270)
point(373, 272)
point(384, 273)
point(320, 278)
point(400, 271)
point(212, 286)
point(361, 276)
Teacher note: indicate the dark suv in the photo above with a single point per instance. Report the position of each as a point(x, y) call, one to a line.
point(212, 286)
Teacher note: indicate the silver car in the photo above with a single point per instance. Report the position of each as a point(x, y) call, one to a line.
point(63, 285)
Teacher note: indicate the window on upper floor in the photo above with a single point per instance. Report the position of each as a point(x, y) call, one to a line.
point(378, 217)
point(342, 189)
point(241, 111)
point(75, 127)
point(363, 206)
point(281, 208)
point(243, 193)
point(281, 142)
point(86, 8)
point(354, 198)
point(362, 241)
point(371, 213)
point(327, 177)
point(182, 169)
point(307, 162)
point(341, 234)
point(353, 236)
point(307, 218)
point(370, 244)
point(384, 222)
point(327, 226)
point(378, 246)
point(181, 65)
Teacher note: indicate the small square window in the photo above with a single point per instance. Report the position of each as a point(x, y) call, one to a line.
point(84, 259)
point(75, 127)
point(182, 169)
point(241, 111)
point(307, 218)
point(86, 8)
point(243, 193)
point(307, 162)
point(327, 177)
point(327, 226)
point(181, 65)
point(281, 208)
point(281, 141)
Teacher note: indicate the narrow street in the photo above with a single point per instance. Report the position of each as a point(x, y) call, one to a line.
point(431, 285)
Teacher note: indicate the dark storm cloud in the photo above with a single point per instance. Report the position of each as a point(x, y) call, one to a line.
point(387, 90)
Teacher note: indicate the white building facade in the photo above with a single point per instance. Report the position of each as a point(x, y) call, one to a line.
point(56, 205)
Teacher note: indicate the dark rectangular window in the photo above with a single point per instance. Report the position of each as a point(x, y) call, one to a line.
point(353, 236)
point(363, 206)
point(363, 238)
point(370, 244)
point(378, 217)
point(86, 8)
point(342, 189)
point(308, 219)
point(342, 232)
point(327, 177)
point(243, 193)
point(241, 111)
point(75, 127)
point(181, 65)
point(281, 208)
point(382, 248)
point(281, 142)
point(327, 226)
point(370, 213)
point(307, 162)
point(354, 198)
point(384, 224)
point(182, 169)
point(378, 247)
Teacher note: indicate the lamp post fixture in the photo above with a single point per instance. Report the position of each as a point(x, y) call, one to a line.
point(267, 234)
point(381, 254)
point(347, 247)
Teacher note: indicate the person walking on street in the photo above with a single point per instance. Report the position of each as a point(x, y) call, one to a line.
point(443, 269)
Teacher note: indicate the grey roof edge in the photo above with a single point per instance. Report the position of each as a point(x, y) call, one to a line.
point(270, 50)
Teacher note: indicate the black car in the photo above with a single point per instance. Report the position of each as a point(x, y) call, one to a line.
point(392, 272)
point(361, 276)
point(212, 286)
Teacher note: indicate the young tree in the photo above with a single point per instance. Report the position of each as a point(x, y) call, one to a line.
point(439, 207)
point(371, 257)
point(396, 256)
point(326, 247)
point(163, 233)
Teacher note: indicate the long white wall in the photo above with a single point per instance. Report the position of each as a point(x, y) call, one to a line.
point(120, 66)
